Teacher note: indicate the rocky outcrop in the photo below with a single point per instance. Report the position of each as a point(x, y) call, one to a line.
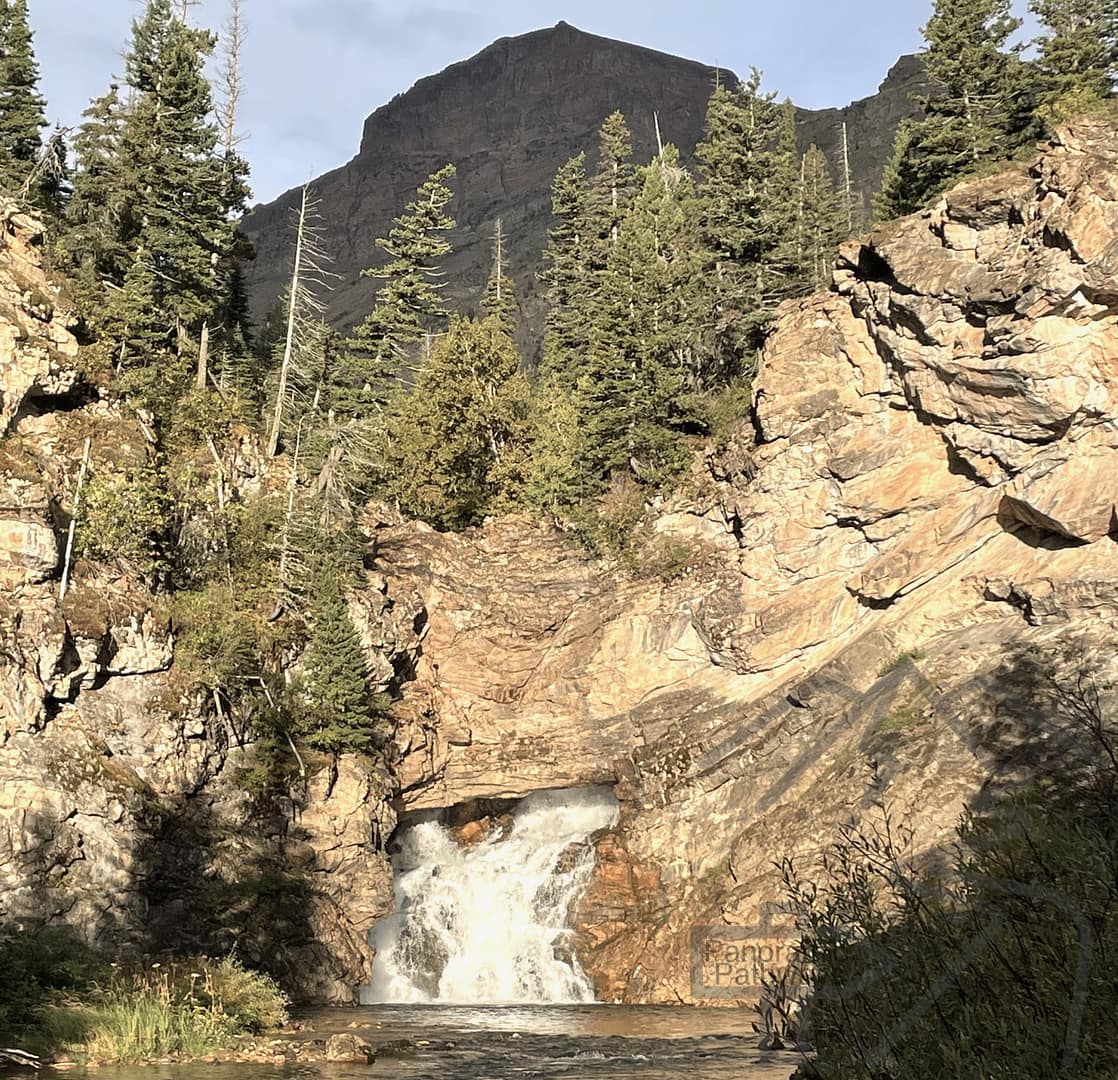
point(124, 812)
point(866, 588)
point(930, 502)
point(508, 118)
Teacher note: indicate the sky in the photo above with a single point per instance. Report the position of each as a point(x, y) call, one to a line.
point(314, 69)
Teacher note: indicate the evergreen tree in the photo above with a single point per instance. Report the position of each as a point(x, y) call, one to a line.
point(94, 242)
point(559, 474)
point(459, 440)
point(174, 214)
point(1077, 55)
point(409, 304)
point(499, 301)
point(901, 186)
point(344, 715)
point(611, 190)
point(631, 398)
point(22, 107)
point(566, 274)
point(822, 219)
point(743, 223)
point(983, 110)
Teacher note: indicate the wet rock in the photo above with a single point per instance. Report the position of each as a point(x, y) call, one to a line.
point(348, 1048)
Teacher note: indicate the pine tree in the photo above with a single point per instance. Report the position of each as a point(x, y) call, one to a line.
point(344, 715)
point(743, 224)
point(902, 188)
point(94, 241)
point(630, 399)
point(823, 218)
point(1077, 55)
point(565, 274)
point(22, 107)
point(788, 269)
point(499, 301)
point(611, 190)
point(459, 440)
point(174, 212)
point(559, 474)
point(409, 305)
point(982, 111)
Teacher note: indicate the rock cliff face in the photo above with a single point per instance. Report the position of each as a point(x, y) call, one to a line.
point(933, 496)
point(508, 118)
point(923, 503)
point(121, 813)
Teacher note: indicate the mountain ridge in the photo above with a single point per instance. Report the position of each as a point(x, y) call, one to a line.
point(508, 117)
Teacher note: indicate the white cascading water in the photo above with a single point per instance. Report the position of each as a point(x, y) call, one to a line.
point(488, 924)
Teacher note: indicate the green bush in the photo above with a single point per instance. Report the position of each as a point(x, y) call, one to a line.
point(186, 1008)
point(36, 964)
point(125, 518)
point(1002, 966)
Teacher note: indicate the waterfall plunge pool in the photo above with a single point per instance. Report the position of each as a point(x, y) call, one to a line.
point(488, 922)
point(564, 1042)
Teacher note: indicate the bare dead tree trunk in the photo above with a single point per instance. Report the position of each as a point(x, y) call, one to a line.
point(74, 522)
point(499, 240)
point(200, 377)
point(847, 187)
point(289, 340)
point(231, 77)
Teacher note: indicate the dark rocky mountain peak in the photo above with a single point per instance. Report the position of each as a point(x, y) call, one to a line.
point(508, 118)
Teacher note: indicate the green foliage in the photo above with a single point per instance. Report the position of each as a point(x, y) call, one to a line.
point(343, 716)
point(610, 192)
point(499, 301)
point(822, 223)
point(458, 440)
point(125, 518)
point(746, 222)
point(901, 188)
point(565, 274)
point(152, 233)
point(1077, 55)
point(219, 642)
point(35, 965)
point(899, 661)
point(630, 395)
point(558, 473)
point(187, 1009)
point(982, 112)
point(726, 409)
point(408, 304)
point(22, 107)
point(999, 968)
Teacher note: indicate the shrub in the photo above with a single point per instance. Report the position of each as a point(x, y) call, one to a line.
point(34, 965)
point(1003, 966)
point(125, 518)
point(184, 1008)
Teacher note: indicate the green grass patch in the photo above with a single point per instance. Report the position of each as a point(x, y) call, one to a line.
point(57, 997)
point(904, 717)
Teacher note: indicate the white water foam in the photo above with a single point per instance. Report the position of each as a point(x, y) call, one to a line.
point(488, 924)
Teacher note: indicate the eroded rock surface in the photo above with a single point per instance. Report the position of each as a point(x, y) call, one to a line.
point(122, 809)
point(929, 508)
point(931, 501)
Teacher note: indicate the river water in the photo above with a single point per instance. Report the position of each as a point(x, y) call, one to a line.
point(595, 1042)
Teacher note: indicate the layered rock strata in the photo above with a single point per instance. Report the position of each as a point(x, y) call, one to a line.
point(930, 500)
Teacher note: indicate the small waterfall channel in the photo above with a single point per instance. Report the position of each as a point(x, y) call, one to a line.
point(488, 923)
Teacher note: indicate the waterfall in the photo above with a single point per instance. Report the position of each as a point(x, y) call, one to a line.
point(488, 924)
